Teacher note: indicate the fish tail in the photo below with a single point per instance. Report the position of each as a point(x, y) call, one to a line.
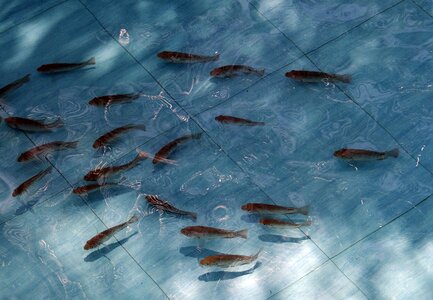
point(25, 78)
point(392, 153)
point(216, 57)
point(242, 233)
point(260, 72)
point(193, 215)
point(258, 253)
point(91, 61)
point(73, 144)
point(140, 127)
point(196, 136)
point(56, 124)
point(303, 210)
point(346, 78)
point(142, 155)
point(259, 123)
point(133, 219)
point(47, 170)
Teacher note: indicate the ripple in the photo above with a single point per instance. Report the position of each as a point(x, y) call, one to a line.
point(17, 234)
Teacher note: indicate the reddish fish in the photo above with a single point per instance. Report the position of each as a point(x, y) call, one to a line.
point(179, 57)
point(165, 206)
point(46, 148)
point(313, 76)
point(359, 154)
point(14, 85)
point(165, 151)
point(263, 208)
point(32, 125)
point(63, 67)
point(113, 134)
point(86, 189)
point(26, 184)
point(234, 70)
point(228, 260)
point(113, 99)
point(283, 224)
point(204, 232)
point(105, 235)
point(238, 121)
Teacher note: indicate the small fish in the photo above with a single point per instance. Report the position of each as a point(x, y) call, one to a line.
point(263, 208)
point(313, 76)
point(14, 85)
point(228, 260)
point(165, 206)
point(64, 67)
point(167, 149)
point(108, 171)
point(46, 148)
point(284, 224)
point(360, 154)
point(234, 70)
point(105, 235)
point(85, 189)
point(113, 99)
point(113, 134)
point(201, 232)
point(26, 184)
point(239, 121)
point(179, 57)
point(32, 125)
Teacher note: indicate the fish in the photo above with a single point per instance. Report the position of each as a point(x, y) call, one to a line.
point(14, 85)
point(46, 148)
point(64, 67)
point(180, 57)
point(101, 173)
point(105, 235)
point(234, 70)
point(263, 208)
point(167, 149)
point(113, 134)
point(228, 260)
point(30, 125)
point(239, 121)
point(313, 76)
point(211, 232)
point(360, 154)
point(113, 99)
point(165, 206)
point(280, 223)
point(85, 189)
point(26, 184)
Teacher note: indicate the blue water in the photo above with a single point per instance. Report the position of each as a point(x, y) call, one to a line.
point(371, 234)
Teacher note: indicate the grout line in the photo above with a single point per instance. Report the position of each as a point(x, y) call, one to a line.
point(422, 8)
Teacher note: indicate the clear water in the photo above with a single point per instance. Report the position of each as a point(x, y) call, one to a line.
point(371, 235)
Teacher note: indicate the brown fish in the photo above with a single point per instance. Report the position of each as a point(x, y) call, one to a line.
point(85, 189)
point(102, 173)
point(14, 85)
point(360, 154)
point(228, 260)
point(201, 232)
point(281, 223)
point(113, 134)
point(263, 208)
point(46, 148)
point(239, 121)
point(26, 184)
point(30, 125)
point(165, 206)
point(234, 70)
point(105, 235)
point(313, 76)
point(180, 57)
point(113, 99)
point(63, 67)
point(167, 149)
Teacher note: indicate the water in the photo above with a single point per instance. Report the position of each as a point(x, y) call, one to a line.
point(371, 228)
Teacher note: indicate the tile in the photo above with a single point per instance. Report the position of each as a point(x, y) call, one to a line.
point(426, 5)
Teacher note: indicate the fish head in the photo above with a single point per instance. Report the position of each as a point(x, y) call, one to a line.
point(207, 261)
point(185, 231)
point(164, 55)
point(216, 72)
point(342, 153)
point(219, 118)
point(79, 190)
point(88, 245)
point(247, 207)
point(292, 74)
point(91, 176)
point(94, 101)
point(97, 144)
point(11, 122)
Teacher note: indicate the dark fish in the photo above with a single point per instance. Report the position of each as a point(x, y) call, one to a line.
point(165, 206)
point(235, 120)
point(179, 57)
point(167, 149)
point(32, 125)
point(113, 99)
point(360, 154)
point(313, 76)
point(105, 235)
point(102, 173)
point(85, 189)
point(113, 134)
point(273, 209)
point(14, 85)
point(284, 224)
point(46, 148)
point(228, 260)
point(211, 232)
point(234, 70)
point(26, 184)
point(63, 67)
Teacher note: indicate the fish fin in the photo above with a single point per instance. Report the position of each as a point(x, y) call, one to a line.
point(261, 72)
point(346, 78)
point(133, 219)
point(216, 57)
point(56, 124)
point(303, 210)
point(242, 233)
point(393, 153)
point(91, 61)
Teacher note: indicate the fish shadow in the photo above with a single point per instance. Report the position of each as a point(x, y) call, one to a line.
point(224, 275)
point(97, 254)
point(276, 238)
point(197, 252)
point(251, 218)
point(26, 207)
